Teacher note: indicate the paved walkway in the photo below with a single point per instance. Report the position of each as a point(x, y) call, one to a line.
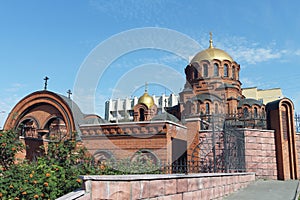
point(267, 190)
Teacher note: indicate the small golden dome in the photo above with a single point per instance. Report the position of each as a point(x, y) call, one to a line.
point(147, 100)
point(211, 53)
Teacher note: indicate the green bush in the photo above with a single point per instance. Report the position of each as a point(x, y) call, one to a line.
point(55, 173)
point(9, 146)
point(50, 176)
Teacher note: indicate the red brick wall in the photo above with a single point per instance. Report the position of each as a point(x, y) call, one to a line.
point(123, 140)
point(32, 148)
point(194, 186)
point(124, 147)
point(260, 154)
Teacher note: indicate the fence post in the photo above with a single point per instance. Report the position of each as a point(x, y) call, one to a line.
point(214, 143)
point(225, 147)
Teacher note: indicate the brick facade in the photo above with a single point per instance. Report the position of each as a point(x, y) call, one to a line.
point(123, 140)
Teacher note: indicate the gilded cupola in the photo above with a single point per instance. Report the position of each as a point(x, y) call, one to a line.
point(211, 53)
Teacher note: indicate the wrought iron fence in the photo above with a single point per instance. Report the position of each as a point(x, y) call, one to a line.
point(297, 122)
point(235, 120)
point(220, 147)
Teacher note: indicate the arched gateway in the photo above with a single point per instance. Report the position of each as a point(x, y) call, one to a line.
point(41, 115)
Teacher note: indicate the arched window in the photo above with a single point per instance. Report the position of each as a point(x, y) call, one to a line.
point(225, 70)
point(103, 156)
point(27, 128)
point(255, 112)
point(195, 73)
point(57, 128)
point(142, 114)
point(145, 156)
point(216, 69)
point(245, 112)
point(233, 73)
point(205, 70)
point(207, 108)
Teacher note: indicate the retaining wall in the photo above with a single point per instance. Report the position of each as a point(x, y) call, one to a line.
point(260, 153)
point(165, 187)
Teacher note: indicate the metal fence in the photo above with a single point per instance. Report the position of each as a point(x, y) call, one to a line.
point(234, 120)
point(220, 147)
point(297, 122)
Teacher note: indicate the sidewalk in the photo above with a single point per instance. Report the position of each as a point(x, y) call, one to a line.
point(267, 190)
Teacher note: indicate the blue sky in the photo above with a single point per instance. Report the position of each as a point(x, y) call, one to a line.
point(54, 38)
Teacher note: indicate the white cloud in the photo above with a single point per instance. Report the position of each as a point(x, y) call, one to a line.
point(251, 52)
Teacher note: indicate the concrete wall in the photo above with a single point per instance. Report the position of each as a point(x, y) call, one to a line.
point(175, 186)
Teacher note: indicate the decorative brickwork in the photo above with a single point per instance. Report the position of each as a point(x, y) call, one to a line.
point(123, 140)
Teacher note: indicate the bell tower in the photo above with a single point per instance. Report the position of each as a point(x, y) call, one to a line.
point(212, 83)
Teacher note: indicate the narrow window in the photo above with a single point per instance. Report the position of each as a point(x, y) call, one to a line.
point(207, 110)
point(195, 73)
point(225, 70)
point(205, 70)
point(246, 112)
point(216, 69)
point(233, 73)
point(142, 114)
point(255, 112)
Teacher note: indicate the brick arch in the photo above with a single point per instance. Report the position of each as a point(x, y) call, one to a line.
point(48, 100)
point(51, 117)
point(280, 117)
point(144, 155)
point(29, 118)
point(23, 125)
point(103, 156)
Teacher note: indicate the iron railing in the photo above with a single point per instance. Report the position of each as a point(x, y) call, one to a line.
point(220, 146)
point(297, 122)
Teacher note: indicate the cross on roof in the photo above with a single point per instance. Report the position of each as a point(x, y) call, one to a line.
point(69, 93)
point(210, 40)
point(146, 87)
point(46, 82)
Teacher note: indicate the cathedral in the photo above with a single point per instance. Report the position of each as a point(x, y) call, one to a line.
point(213, 128)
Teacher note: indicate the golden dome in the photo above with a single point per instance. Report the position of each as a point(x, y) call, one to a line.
point(211, 53)
point(147, 100)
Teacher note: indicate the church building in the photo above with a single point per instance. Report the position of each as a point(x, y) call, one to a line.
point(212, 128)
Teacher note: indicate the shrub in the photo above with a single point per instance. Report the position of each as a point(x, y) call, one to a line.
point(10, 145)
point(55, 173)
